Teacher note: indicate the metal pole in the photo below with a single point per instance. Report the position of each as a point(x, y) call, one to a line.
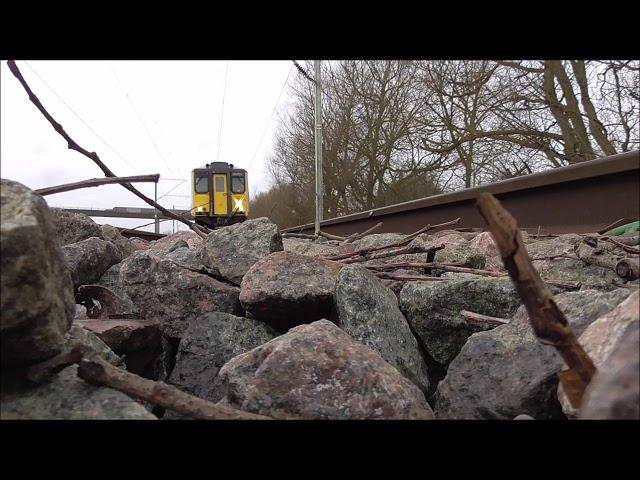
point(318, 135)
point(155, 213)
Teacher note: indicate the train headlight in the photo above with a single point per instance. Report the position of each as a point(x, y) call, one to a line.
point(200, 209)
point(239, 206)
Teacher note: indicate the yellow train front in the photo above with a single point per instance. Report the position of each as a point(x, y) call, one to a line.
point(220, 194)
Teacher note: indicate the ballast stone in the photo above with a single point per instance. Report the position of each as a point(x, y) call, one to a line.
point(603, 337)
point(171, 294)
point(68, 397)
point(288, 289)
point(37, 303)
point(72, 227)
point(369, 312)
point(234, 249)
point(89, 259)
point(209, 342)
point(507, 371)
point(433, 310)
point(614, 391)
point(113, 235)
point(317, 371)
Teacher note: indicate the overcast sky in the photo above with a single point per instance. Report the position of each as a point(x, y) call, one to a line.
point(178, 102)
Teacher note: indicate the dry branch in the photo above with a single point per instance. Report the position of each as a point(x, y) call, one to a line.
point(357, 236)
point(549, 323)
point(628, 268)
point(482, 320)
point(562, 284)
point(72, 145)
point(400, 243)
point(330, 236)
point(99, 372)
point(407, 278)
point(627, 248)
point(299, 235)
point(96, 182)
point(411, 249)
point(438, 266)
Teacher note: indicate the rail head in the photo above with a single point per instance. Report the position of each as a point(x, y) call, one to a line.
point(611, 165)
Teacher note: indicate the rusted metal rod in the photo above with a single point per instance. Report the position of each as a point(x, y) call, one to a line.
point(96, 182)
point(99, 372)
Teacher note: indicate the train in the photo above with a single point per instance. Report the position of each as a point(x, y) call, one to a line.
point(220, 195)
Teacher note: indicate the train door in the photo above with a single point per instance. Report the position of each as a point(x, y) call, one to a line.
point(220, 198)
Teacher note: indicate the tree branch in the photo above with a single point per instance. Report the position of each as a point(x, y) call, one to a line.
point(482, 320)
point(72, 145)
point(549, 323)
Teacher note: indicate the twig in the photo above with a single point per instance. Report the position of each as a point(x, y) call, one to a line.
point(400, 243)
point(96, 182)
point(624, 285)
point(330, 236)
point(553, 257)
point(42, 371)
point(72, 145)
point(591, 254)
point(407, 278)
point(299, 235)
point(99, 372)
point(483, 320)
point(438, 266)
point(549, 323)
point(628, 268)
point(357, 236)
point(411, 249)
point(626, 248)
point(560, 283)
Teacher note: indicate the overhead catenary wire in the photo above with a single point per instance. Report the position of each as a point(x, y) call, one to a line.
point(80, 118)
point(128, 97)
point(270, 118)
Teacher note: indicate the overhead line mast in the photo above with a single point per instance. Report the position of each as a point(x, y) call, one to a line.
point(318, 135)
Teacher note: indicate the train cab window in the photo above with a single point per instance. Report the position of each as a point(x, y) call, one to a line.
point(202, 186)
point(219, 184)
point(237, 182)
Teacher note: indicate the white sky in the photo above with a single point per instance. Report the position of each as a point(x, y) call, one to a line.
point(180, 102)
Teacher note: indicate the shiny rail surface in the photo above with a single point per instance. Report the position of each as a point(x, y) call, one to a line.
point(579, 198)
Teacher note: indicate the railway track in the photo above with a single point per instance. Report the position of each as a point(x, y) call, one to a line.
point(579, 198)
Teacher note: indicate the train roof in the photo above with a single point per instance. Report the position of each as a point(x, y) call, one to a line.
point(219, 167)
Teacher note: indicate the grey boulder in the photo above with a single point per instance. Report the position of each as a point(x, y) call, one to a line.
point(171, 294)
point(603, 337)
point(433, 310)
point(73, 227)
point(92, 343)
point(317, 371)
point(209, 342)
point(122, 243)
point(369, 312)
point(37, 303)
point(507, 371)
point(288, 289)
point(67, 397)
point(614, 391)
point(234, 249)
point(89, 259)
